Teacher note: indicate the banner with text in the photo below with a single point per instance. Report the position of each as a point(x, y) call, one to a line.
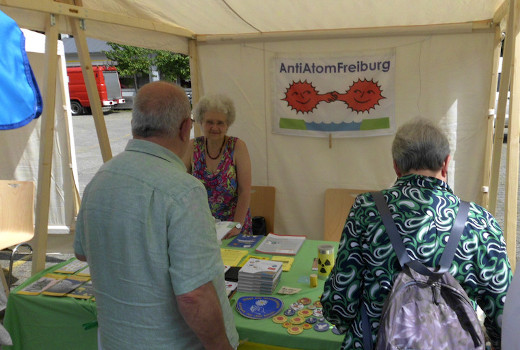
point(346, 96)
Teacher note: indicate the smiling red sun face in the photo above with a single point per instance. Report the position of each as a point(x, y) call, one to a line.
point(301, 96)
point(363, 95)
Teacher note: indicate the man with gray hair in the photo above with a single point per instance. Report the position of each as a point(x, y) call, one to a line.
point(146, 230)
point(424, 208)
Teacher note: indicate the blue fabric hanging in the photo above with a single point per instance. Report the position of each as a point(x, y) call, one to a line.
point(20, 98)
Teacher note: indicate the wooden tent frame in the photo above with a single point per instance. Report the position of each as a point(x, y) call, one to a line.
point(70, 14)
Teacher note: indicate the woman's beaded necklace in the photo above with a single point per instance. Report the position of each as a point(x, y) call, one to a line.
point(220, 151)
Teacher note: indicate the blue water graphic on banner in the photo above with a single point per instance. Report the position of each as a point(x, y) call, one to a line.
point(352, 126)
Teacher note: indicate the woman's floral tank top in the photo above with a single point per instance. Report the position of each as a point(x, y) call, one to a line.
point(221, 185)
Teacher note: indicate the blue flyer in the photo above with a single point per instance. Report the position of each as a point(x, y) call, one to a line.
point(245, 241)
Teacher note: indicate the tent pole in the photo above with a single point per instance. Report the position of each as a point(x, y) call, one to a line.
point(195, 79)
point(501, 108)
point(46, 145)
point(93, 94)
point(68, 127)
point(433, 29)
point(74, 9)
point(512, 159)
point(484, 200)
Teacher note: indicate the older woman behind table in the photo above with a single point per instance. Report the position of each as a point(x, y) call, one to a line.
point(222, 163)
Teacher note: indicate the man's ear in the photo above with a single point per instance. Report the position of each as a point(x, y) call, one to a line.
point(185, 130)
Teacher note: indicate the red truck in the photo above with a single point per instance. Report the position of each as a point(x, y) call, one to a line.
point(107, 81)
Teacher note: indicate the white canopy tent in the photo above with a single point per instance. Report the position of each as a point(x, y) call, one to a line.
point(446, 70)
point(20, 147)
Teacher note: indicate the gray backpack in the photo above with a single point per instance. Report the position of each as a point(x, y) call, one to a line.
point(427, 308)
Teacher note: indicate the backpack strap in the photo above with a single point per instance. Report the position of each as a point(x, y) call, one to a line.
point(455, 234)
point(365, 327)
point(398, 245)
point(404, 258)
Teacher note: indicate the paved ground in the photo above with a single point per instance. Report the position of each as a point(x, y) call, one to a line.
point(89, 160)
point(88, 154)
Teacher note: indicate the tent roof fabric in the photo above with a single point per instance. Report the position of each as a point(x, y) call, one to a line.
point(112, 20)
point(208, 17)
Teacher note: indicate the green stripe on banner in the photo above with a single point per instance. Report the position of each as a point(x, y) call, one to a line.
point(374, 124)
point(298, 124)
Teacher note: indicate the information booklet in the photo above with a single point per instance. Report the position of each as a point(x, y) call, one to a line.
point(231, 288)
point(84, 272)
point(223, 227)
point(259, 276)
point(232, 257)
point(246, 259)
point(72, 266)
point(281, 244)
point(84, 291)
point(41, 284)
point(65, 286)
point(261, 269)
point(245, 241)
point(286, 260)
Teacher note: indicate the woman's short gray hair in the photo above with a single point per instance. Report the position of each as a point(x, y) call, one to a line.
point(420, 145)
point(159, 109)
point(215, 103)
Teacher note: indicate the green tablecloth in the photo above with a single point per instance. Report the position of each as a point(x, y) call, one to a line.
point(266, 331)
point(57, 323)
point(40, 322)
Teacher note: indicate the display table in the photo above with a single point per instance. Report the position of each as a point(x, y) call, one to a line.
point(38, 322)
point(58, 323)
point(270, 333)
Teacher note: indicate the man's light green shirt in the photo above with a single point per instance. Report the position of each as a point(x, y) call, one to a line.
point(148, 235)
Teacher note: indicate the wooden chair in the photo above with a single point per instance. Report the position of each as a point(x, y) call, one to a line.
point(16, 219)
point(262, 204)
point(338, 202)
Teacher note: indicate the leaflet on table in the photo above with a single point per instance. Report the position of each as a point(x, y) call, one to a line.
point(84, 272)
point(65, 286)
point(245, 241)
point(72, 266)
point(258, 281)
point(260, 268)
point(41, 284)
point(231, 287)
point(232, 257)
point(286, 260)
point(84, 291)
point(246, 259)
point(245, 287)
point(281, 244)
point(223, 227)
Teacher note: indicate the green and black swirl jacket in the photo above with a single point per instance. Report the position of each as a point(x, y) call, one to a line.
point(423, 209)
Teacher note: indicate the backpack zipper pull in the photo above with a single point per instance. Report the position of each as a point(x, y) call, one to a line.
point(436, 293)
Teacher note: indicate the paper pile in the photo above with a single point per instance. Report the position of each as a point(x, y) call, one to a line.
point(259, 276)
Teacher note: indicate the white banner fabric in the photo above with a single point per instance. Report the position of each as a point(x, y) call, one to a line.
point(342, 95)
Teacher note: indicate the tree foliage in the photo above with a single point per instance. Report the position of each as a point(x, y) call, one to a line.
point(172, 65)
point(133, 60)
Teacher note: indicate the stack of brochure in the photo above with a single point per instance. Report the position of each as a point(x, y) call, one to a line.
point(259, 276)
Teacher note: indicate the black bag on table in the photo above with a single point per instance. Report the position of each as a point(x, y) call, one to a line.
point(259, 226)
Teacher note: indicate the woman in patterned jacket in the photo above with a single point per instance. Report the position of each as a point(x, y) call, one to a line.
point(423, 207)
